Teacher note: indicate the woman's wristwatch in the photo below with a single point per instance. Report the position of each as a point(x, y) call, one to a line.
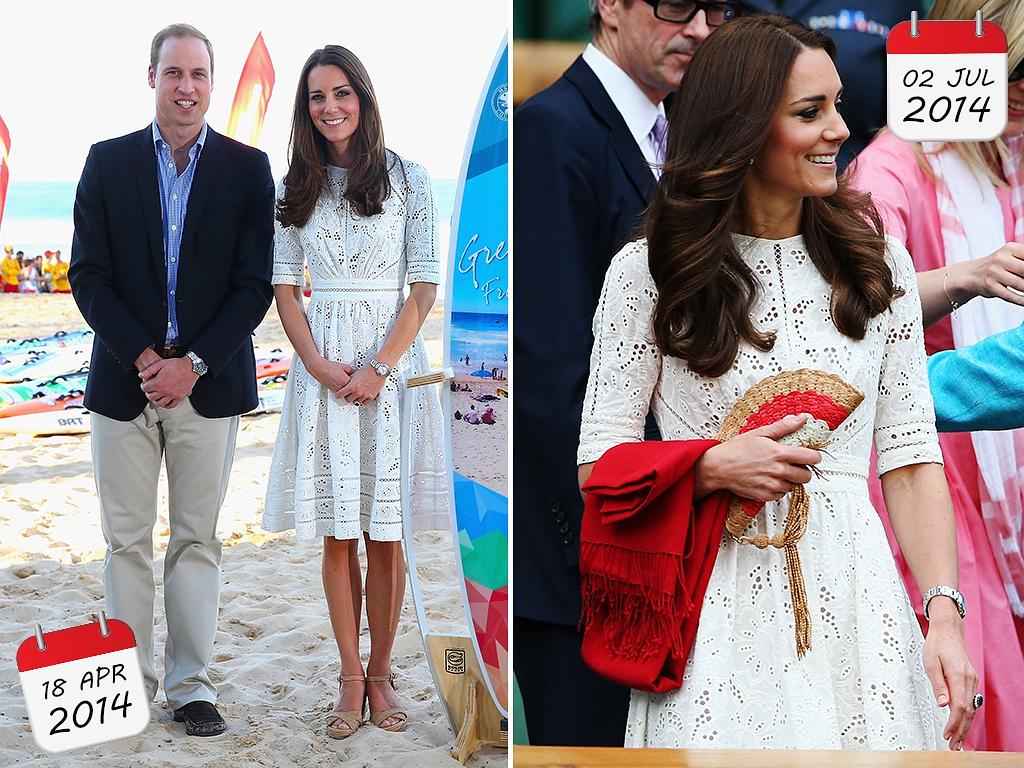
point(953, 594)
point(383, 369)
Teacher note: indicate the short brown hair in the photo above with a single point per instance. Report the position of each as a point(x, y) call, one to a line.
point(177, 30)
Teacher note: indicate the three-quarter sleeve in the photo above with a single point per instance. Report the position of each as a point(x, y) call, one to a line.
point(905, 417)
point(625, 363)
point(422, 251)
point(289, 260)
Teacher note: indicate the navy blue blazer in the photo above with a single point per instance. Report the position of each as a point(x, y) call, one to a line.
point(119, 279)
point(580, 188)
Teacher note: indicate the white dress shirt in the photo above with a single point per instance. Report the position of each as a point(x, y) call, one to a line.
point(636, 109)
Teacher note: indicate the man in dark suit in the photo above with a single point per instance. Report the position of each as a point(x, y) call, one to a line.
point(170, 265)
point(585, 165)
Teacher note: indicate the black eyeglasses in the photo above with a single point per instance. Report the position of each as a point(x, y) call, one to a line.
point(683, 11)
point(1017, 73)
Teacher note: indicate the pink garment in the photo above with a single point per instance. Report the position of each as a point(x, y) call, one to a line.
point(905, 197)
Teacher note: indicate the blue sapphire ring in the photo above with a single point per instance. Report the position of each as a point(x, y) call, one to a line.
point(978, 700)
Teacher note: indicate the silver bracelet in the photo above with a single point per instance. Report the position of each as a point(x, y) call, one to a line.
point(953, 594)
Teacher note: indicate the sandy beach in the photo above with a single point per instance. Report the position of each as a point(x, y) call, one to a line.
point(275, 661)
point(480, 451)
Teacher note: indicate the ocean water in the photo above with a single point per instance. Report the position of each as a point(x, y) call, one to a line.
point(483, 337)
point(38, 216)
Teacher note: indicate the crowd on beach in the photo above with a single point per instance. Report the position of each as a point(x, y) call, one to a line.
point(497, 372)
point(44, 273)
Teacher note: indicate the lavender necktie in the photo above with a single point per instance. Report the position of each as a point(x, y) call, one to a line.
point(660, 135)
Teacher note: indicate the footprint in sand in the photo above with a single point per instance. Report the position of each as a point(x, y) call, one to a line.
point(279, 691)
point(253, 633)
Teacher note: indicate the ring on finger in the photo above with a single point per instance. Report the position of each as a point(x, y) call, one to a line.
point(977, 701)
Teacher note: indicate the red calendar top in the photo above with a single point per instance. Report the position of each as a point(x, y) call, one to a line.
point(946, 37)
point(74, 643)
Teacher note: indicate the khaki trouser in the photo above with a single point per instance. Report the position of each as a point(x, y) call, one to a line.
point(126, 461)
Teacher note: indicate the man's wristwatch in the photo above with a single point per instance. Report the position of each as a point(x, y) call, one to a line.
point(383, 369)
point(199, 366)
point(951, 593)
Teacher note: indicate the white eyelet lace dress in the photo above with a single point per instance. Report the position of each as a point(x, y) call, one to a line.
point(862, 685)
point(335, 470)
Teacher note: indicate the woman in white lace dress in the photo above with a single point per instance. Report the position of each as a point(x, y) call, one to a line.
point(362, 219)
point(758, 261)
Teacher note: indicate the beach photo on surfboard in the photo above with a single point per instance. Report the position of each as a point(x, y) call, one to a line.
point(478, 303)
point(479, 395)
point(476, 336)
point(478, 307)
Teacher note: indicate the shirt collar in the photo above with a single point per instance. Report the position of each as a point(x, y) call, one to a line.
point(158, 138)
point(636, 109)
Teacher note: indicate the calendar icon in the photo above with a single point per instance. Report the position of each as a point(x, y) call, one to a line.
point(82, 685)
point(946, 80)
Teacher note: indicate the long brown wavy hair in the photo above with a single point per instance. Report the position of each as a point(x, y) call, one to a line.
point(721, 116)
point(368, 182)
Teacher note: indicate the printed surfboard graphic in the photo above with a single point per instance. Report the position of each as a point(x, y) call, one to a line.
point(476, 399)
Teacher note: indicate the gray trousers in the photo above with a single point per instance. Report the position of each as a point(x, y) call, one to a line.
point(126, 460)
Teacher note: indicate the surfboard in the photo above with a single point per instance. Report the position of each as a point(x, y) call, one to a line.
point(75, 420)
point(476, 348)
point(59, 339)
point(43, 404)
point(270, 401)
point(58, 385)
point(45, 363)
point(49, 416)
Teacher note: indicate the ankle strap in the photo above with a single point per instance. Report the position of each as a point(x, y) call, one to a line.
point(351, 678)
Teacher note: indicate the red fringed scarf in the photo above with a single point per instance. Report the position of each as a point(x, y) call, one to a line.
point(646, 555)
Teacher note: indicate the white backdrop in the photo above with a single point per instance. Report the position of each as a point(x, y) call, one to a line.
point(73, 72)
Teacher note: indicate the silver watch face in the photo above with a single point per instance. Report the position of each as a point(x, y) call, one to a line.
point(382, 369)
point(199, 367)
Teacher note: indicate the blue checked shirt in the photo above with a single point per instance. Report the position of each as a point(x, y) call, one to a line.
point(174, 192)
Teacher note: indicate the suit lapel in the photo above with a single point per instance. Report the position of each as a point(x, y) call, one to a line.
point(207, 168)
point(144, 159)
point(622, 141)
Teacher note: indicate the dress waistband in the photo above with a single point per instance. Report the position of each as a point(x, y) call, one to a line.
point(838, 480)
point(358, 285)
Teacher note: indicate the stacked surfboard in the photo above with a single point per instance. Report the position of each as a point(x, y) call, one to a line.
point(42, 383)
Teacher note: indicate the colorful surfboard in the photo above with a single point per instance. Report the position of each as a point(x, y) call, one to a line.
point(45, 363)
point(59, 339)
point(75, 420)
point(58, 385)
point(476, 399)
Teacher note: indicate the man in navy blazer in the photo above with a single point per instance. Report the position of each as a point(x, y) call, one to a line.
point(170, 266)
point(586, 154)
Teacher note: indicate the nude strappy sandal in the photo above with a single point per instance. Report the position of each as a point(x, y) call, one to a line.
point(379, 717)
point(353, 718)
